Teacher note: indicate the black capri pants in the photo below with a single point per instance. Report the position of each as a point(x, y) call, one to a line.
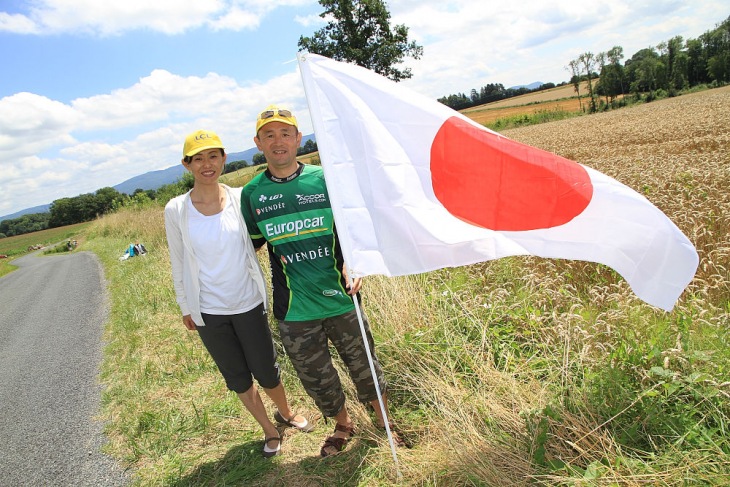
point(242, 347)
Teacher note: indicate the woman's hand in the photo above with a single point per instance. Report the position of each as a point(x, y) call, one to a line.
point(189, 323)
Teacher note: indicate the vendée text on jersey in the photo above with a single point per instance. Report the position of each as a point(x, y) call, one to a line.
point(318, 253)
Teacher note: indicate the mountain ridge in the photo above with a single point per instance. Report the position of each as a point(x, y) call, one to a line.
point(153, 179)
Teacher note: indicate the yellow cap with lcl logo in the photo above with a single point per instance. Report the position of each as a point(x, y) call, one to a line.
point(200, 141)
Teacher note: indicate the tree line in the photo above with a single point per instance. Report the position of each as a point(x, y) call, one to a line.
point(488, 94)
point(653, 72)
point(87, 207)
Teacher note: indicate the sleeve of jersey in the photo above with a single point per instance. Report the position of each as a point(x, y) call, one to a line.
point(256, 236)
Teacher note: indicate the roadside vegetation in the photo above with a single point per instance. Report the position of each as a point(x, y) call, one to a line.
point(520, 371)
point(13, 247)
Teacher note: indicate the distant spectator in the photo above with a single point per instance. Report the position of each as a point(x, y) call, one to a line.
point(133, 250)
point(139, 248)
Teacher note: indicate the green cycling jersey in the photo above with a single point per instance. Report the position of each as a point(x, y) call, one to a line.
point(294, 217)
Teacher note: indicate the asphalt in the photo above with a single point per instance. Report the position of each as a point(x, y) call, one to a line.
point(52, 315)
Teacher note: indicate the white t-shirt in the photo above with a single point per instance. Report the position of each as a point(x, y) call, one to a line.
point(225, 286)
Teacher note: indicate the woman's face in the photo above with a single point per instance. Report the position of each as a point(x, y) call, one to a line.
point(207, 166)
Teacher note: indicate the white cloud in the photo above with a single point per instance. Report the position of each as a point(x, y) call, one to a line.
point(237, 19)
point(468, 44)
point(157, 113)
point(309, 20)
point(17, 23)
point(32, 124)
point(107, 18)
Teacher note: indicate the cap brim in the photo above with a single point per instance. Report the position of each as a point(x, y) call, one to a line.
point(201, 149)
point(274, 119)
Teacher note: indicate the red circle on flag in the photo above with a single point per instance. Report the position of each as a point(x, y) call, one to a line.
point(496, 183)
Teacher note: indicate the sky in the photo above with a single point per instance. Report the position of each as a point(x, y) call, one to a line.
point(94, 92)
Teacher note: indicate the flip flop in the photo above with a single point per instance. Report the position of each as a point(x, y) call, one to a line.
point(270, 452)
point(303, 426)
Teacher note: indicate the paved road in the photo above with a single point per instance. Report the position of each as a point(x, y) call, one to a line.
point(52, 312)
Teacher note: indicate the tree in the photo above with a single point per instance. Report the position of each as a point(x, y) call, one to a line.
point(642, 68)
point(677, 63)
point(62, 213)
point(308, 147)
point(611, 82)
point(359, 31)
point(574, 68)
point(588, 61)
point(716, 44)
point(259, 158)
point(106, 199)
point(697, 62)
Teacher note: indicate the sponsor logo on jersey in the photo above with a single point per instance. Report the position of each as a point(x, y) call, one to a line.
point(314, 254)
point(293, 228)
point(331, 292)
point(306, 199)
point(266, 209)
point(273, 197)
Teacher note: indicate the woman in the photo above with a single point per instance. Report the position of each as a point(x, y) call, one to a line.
point(220, 288)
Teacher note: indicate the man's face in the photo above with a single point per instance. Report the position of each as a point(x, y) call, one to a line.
point(279, 143)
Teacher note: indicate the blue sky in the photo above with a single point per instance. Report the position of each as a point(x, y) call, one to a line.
point(95, 92)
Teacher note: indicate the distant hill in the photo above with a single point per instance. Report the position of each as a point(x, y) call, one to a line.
point(531, 86)
point(27, 211)
point(154, 179)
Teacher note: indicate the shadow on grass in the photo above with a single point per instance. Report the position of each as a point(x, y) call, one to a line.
point(244, 465)
point(241, 465)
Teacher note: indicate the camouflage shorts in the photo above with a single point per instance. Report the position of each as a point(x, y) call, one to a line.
point(306, 344)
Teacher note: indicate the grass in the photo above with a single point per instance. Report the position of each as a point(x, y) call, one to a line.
point(519, 371)
point(538, 117)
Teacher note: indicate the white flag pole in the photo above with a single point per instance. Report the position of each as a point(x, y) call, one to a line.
point(314, 104)
point(375, 380)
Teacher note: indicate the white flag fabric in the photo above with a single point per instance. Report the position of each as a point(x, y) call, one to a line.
point(416, 186)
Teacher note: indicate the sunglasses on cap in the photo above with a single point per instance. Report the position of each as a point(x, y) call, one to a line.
point(270, 113)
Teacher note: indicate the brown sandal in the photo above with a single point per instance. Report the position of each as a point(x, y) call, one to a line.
point(337, 442)
point(398, 437)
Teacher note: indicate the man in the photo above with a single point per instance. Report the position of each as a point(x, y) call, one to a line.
point(288, 208)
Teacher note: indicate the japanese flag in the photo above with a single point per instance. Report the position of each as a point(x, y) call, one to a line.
point(416, 186)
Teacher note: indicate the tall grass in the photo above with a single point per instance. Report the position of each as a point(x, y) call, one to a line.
point(538, 117)
point(520, 371)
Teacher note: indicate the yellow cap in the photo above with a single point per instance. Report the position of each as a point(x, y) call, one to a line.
point(273, 113)
point(200, 141)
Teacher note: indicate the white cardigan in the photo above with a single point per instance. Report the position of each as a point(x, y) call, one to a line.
point(185, 269)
